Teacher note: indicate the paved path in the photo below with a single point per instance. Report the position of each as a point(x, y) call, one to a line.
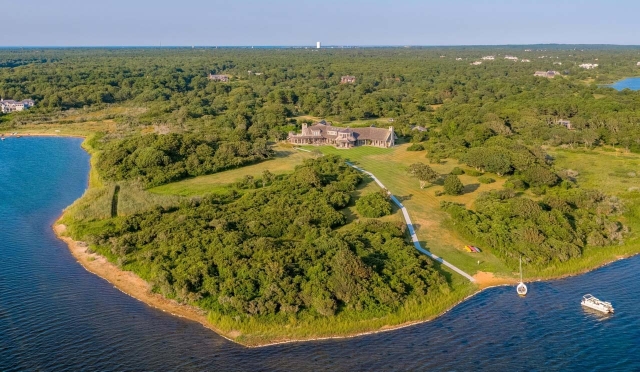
point(412, 231)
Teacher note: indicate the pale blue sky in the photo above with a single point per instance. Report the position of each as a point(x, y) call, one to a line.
point(303, 22)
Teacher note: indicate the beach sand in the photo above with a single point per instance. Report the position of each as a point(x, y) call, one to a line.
point(486, 279)
point(131, 284)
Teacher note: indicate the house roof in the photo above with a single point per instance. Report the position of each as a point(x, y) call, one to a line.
point(368, 133)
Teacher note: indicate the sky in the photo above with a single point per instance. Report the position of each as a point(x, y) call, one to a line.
point(303, 22)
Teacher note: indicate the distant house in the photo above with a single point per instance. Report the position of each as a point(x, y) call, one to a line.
point(565, 123)
point(525, 60)
point(557, 63)
point(323, 133)
point(546, 74)
point(347, 79)
point(589, 66)
point(476, 63)
point(458, 59)
point(511, 58)
point(223, 78)
point(638, 64)
point(7, 106)
point(488, 58)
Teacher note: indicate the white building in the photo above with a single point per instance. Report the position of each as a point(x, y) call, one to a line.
point(638, 64)
point(525, 60)
point(488, 58)
point(11, 105)
point(318, 45)
point(589, 66)
point(476, 63)
point(511, 58)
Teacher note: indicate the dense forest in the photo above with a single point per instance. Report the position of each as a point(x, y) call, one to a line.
point(270, 88)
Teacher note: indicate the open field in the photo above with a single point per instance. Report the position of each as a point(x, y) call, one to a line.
point(84, 129)
point(284, 161)
point(390, 165)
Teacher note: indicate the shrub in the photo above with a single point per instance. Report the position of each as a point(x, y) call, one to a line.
point(474, 173)
point(515, 184)
point(457, 171)
point(540, 176)
point(415, 147)
point(439, 193)
point(452, 185)
point(374, 205)
point(486, 179)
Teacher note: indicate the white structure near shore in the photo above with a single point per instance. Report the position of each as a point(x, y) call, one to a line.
point(7, 106)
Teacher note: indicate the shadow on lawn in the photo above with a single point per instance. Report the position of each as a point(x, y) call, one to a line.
point(468, 189)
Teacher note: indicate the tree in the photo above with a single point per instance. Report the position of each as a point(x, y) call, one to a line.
point(267, 177)
point(452, 185)
point(423, 173)
point(374, 205)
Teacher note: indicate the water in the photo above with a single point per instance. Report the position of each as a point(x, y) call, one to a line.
point(54, 315)
point(629, 83)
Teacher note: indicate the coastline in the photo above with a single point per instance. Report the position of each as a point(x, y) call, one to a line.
point(128, 282)
point(134, 286)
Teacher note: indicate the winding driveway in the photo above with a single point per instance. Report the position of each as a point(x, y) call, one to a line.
point(412, 231)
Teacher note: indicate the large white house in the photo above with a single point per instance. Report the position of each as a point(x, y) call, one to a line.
point(7, 106)
point(589, 66)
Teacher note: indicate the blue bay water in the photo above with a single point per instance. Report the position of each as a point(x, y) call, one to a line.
point(629, 83)
point(55, 316)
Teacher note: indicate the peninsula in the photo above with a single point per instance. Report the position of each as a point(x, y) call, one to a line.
point(202, 204)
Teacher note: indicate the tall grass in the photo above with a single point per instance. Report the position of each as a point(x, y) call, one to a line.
point(133, 198)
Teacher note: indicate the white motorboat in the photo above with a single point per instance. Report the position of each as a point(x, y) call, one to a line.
point(521, 288)
point(595, 304)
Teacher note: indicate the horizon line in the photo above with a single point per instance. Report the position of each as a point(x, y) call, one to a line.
point(328, 46)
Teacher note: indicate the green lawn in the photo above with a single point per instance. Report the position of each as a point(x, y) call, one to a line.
point(284, 161)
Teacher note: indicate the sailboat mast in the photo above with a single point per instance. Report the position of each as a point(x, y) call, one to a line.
point(520, 269)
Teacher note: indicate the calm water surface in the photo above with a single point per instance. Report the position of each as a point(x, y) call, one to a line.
point(54, 315)
point(629, 83)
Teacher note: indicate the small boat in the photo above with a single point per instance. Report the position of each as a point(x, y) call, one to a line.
point(595, 304)
point(521, 288)
point(472, 249)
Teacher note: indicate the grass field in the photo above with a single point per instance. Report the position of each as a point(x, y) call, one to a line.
point(390, 165)
point(284, 161)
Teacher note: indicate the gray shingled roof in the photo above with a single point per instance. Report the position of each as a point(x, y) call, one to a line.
point(368, 133)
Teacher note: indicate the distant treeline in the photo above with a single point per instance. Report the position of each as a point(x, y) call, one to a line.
point(460, 105)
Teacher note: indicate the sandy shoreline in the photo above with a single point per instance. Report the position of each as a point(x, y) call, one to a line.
point(128, 282)
point(134, 286)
